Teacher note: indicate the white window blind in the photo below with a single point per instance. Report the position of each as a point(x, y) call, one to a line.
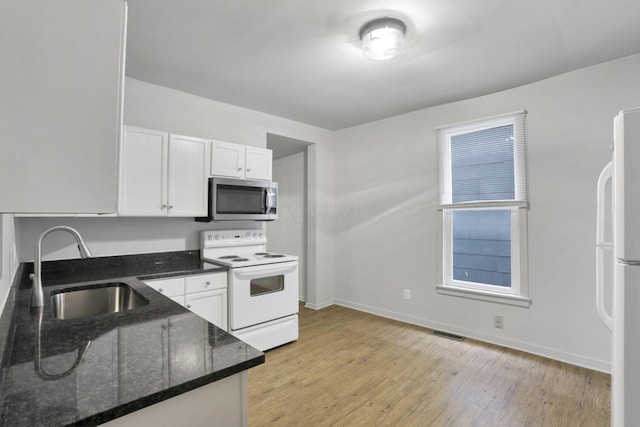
point(483, 163)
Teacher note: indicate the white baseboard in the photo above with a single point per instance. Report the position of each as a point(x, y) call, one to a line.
point(550, 353)
point(319, 306)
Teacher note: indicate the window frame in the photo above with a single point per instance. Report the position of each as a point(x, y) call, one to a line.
point(518, 292)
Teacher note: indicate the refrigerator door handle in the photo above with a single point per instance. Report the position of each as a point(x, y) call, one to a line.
point(601, 245)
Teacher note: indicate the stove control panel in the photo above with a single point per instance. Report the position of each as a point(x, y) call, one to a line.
point(221, 238)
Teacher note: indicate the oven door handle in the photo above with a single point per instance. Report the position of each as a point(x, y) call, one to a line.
point(264, 269)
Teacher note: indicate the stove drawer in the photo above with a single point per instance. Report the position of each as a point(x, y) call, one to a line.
point(206, 282)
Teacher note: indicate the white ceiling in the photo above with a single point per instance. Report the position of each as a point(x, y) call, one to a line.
point(301, 59)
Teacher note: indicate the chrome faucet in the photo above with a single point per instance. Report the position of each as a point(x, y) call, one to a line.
point(37, 297)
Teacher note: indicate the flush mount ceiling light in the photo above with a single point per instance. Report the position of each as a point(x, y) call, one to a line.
point(382, 38)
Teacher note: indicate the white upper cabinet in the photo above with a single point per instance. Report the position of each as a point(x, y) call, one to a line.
point(143, 172)
point(240, 161)
point(258, 163)
point(227, 159)
point(61, 92)
point(188, 177)
point(162, 174)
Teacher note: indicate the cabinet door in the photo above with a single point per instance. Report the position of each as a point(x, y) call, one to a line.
point(173, 287)
point(227, 159)
point(210, 305)
point(205, 282)
point(187, 180)
point(61, 87)
point(143, 171)
point(258, 163)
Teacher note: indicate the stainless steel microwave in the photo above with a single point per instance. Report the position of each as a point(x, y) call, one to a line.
point(242, 200)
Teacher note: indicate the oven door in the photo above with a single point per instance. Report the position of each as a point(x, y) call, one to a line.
point(262, 293)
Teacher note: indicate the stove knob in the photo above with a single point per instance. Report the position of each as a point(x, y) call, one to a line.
point(261, 235)
point(209, 237)
point(254, 235)
point(248, 235)
point(217, 237)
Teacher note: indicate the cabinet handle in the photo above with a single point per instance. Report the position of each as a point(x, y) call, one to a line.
point(170, 207)
point(163, 206)
point(188, 305)
point(239, 169)
point(207, 284)
point(248, 169)
point(159, 289)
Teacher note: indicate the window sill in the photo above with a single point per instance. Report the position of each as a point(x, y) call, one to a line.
point(516, 300)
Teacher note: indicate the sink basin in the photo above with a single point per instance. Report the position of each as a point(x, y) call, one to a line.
point(94, 300)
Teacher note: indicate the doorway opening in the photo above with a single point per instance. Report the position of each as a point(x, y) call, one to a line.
point(290, 233)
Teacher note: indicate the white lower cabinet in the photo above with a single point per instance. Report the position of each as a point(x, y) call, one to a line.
point(211, 306)
point(203, 294)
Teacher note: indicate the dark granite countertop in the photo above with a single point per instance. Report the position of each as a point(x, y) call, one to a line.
point(91, 370)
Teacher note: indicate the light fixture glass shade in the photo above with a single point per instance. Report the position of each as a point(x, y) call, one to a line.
point(382, 38)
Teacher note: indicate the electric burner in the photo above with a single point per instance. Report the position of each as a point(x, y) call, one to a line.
point(229, 257)
point(274, 256)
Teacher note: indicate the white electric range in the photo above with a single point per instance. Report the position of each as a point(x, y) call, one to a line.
point(263, 286)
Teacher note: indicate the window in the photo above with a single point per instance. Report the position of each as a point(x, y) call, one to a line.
point(483, 197)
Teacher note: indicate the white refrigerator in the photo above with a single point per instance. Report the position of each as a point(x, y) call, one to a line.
point(624, 320)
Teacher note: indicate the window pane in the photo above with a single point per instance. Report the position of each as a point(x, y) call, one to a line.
point(482, 246)
point(482, 165)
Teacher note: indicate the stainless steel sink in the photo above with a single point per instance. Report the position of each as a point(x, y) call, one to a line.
point(95, 299)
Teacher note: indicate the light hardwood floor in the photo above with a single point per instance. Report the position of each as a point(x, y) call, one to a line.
point(350, 368)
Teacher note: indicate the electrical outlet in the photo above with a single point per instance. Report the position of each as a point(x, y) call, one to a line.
point(407, 294)
point(498, 322)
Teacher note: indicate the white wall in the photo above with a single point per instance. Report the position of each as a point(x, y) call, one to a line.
point(156, 107)
point(115, 236)
point(387, 224)
point(8, 259)
point(287, 234)
point(321, 276)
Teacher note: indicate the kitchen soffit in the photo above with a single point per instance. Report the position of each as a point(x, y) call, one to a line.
point(303, 61)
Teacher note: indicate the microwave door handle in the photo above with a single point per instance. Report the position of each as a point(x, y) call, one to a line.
point(268, 200)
